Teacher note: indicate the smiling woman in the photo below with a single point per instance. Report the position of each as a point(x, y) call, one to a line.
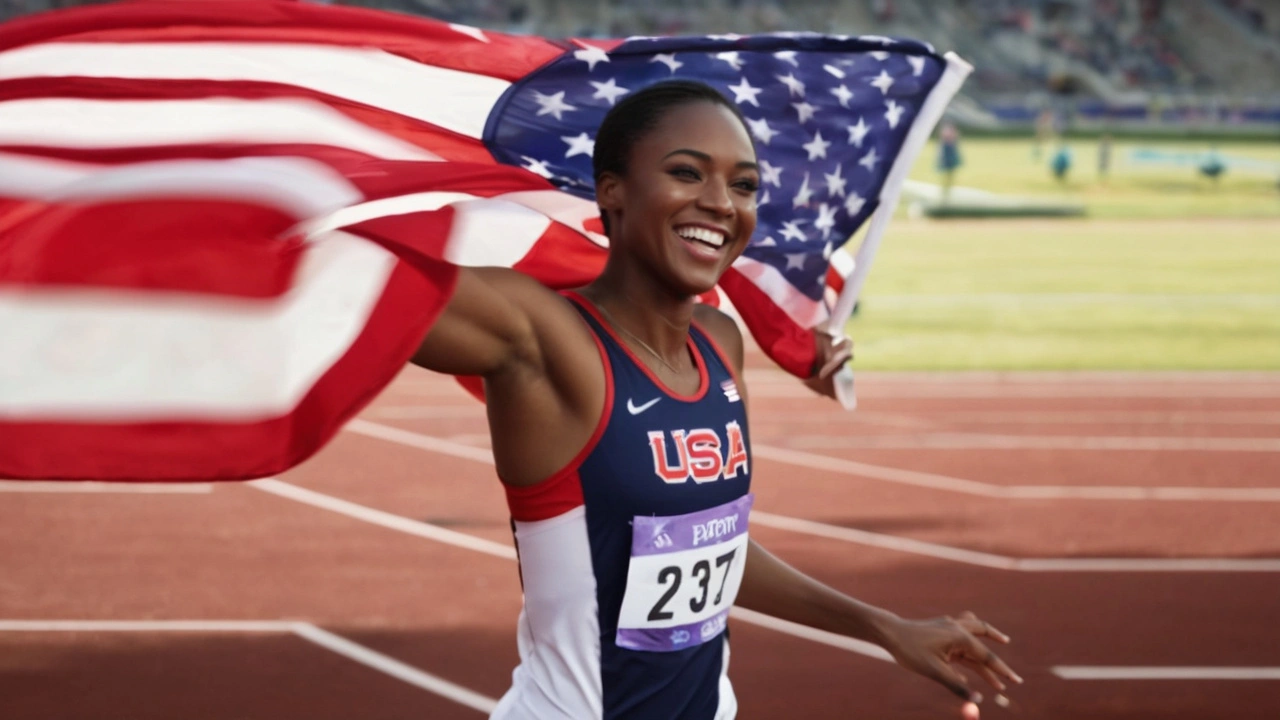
point(631, 517)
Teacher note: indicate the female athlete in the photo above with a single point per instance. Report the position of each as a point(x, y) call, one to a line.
point(619, 428)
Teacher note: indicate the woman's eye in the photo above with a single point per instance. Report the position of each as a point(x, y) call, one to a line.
point(747, 185)
point(685, 171)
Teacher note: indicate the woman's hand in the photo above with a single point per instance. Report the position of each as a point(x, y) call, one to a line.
point(831, 354)
point(933, 647)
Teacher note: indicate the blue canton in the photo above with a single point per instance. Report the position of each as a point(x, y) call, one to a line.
point(828, 115)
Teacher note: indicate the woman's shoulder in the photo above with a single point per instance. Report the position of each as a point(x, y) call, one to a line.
point(723, 330)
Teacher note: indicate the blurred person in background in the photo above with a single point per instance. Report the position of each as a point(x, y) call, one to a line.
point(948, 156)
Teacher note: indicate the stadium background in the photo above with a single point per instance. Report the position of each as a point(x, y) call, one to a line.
point(974, 456)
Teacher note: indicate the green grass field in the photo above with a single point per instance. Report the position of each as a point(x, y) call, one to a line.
point(1167, 272)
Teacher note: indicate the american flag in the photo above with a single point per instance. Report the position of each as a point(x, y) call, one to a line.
point(188, 192)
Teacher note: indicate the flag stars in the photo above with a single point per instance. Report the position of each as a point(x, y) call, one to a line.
point(843, 94)
point(769, 174)
point(609, 90)
point(537, 167)
point(791, 231)
point(761, 131)
point(744, 93)
point(579, 145)
point(732, 58)
point(882, 82)
point(787, 56)
point(835, 183)
point(826, 251)
point(826, 219)
point(817, 147)
point(804, 110)
point(882, 40)
point(795, 261)
point(893, 113)
point(879, 55)
point(764, 198)
point(869, 160)
point(553, 104)
point(793, 84)
point(853, 204)
point(591, 55)
point(668, 59)
point(858, 133)
point(804, 194)
point(917, 64)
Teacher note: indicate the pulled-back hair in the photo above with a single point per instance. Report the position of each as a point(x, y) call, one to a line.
point(637, 114)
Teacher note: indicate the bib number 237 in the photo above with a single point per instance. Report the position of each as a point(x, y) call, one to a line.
point(684, 574)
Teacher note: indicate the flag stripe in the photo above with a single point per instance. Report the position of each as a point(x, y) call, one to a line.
point(343, 72)
point(297, 186)
point(132, 123)
point(177, 449)
point(202, 356)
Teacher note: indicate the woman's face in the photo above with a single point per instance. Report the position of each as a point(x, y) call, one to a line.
point(687, 206)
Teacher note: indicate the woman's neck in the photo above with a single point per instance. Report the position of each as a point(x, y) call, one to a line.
point(648, 312)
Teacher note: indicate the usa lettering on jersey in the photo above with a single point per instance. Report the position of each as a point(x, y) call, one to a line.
point(700, 454)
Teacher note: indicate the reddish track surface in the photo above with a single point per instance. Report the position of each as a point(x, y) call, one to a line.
point(238, 553)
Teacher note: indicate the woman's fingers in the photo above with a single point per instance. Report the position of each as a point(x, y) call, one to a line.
point(983, 659)
point(841, 352)
point(980, 628)
point(987, 674)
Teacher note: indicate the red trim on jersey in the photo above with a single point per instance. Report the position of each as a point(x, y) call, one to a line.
point(703, 378)
point(562, 492)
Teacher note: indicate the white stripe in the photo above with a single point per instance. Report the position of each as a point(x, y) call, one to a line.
point(79, 123)
point(485, 231)
point(301, 187)
point(887, 542)
point(40, 486)
point(120, 355)
point(365, 75)
point(1136, 672)
point(935, 481)
point(803, 310)
point(383, 519)
point(975, 441)
point(396, 669)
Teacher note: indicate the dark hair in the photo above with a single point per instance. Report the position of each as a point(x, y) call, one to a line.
point(638, 113)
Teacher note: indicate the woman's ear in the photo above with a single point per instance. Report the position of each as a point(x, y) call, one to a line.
point(609, 191)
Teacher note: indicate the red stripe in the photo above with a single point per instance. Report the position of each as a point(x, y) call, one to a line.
point(333, 156)
point(788, 344)
point(448, 144)
point(504, 56)
point(221, 247)
point(201, 451)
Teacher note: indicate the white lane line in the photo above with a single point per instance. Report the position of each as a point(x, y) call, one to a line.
point(45, 486)
point(980, 441)
point(390, 666)
point(935, 481)
point(975, 390)
point(808, 527)
point(385, 519)
point(189, 626)
point(805, 632)
point(1004, 562)
point(427, 412)
point(325, 639)
point(936, 418)
point(1121, 672)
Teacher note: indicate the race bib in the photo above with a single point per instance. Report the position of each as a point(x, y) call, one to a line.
point(684, 574)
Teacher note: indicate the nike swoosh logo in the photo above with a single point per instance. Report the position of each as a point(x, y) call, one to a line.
point(636, 410)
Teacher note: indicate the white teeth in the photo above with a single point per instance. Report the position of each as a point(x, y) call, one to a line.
point(711, 237)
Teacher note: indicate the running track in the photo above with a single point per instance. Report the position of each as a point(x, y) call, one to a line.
point(1115, 525)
